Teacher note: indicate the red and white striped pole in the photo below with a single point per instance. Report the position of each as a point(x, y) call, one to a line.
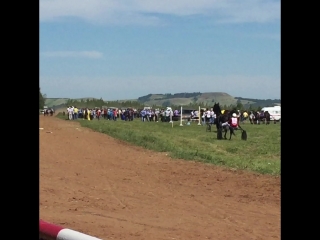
point(48, 231)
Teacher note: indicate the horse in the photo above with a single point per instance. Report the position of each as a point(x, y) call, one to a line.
point(217, 110)
point(259, 117)
point(252, 117)
point(223, 121)
point(256, 117)
point(220, 120)
point(244, 116)
point(262, 117)
point(267, 117)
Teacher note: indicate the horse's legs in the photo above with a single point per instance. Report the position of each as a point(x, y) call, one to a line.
point(225, 133)
point(219, 133)
point(231, 132)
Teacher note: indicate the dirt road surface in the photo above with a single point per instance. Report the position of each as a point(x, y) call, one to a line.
point(92, 183)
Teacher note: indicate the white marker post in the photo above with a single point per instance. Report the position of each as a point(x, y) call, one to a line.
point(199, 124)
point(181, 117)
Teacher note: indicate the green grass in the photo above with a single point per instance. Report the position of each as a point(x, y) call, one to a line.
point(260, 153)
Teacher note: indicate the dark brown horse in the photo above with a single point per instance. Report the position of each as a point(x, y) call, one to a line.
point(267, 117)
point(261, 117)
point(221, 121)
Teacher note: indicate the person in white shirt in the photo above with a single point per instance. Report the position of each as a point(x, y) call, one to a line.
point(149, 115)
point(156, 113)
point(70, 112)
point(212, 116)
point(196, 114)
point(167, 114)
point(170, 115)
point(208, 115)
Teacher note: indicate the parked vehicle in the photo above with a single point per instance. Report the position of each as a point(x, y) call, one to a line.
point(43, 110)
point(275, 112)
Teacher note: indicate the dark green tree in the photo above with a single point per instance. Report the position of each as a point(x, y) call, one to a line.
point(239, 105)
point(166, 103)
point(41, 99)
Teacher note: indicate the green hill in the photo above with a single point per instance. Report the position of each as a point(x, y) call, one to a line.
point(207, 98)
point(182, 99)
point(53, 102)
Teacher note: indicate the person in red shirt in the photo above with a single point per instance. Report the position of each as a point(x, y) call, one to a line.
point(98, 113)
point(115, 114)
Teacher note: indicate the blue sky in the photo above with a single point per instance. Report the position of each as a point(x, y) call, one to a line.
point(126, 49)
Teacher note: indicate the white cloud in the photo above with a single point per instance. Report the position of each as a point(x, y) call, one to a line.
point(147, 11)
point(68, 54)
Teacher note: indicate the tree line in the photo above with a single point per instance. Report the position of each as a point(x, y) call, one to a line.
point(42, 99)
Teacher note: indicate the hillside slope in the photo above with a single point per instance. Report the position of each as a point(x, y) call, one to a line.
point(183, 99)
point(207, 98)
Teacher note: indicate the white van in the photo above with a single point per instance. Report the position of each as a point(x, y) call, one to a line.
point(275, 112)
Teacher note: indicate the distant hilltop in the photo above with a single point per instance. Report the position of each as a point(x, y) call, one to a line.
point(207, 98)
point(182, 99)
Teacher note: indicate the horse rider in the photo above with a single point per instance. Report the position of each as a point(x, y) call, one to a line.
point(233, 122)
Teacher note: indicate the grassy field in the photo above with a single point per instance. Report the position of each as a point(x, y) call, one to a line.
point(260, 153)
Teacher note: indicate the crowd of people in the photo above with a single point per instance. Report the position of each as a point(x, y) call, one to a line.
point(126, 114)
point(145, 115)
point(74, 113)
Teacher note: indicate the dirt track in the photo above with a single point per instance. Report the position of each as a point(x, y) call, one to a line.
point(95, 184)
